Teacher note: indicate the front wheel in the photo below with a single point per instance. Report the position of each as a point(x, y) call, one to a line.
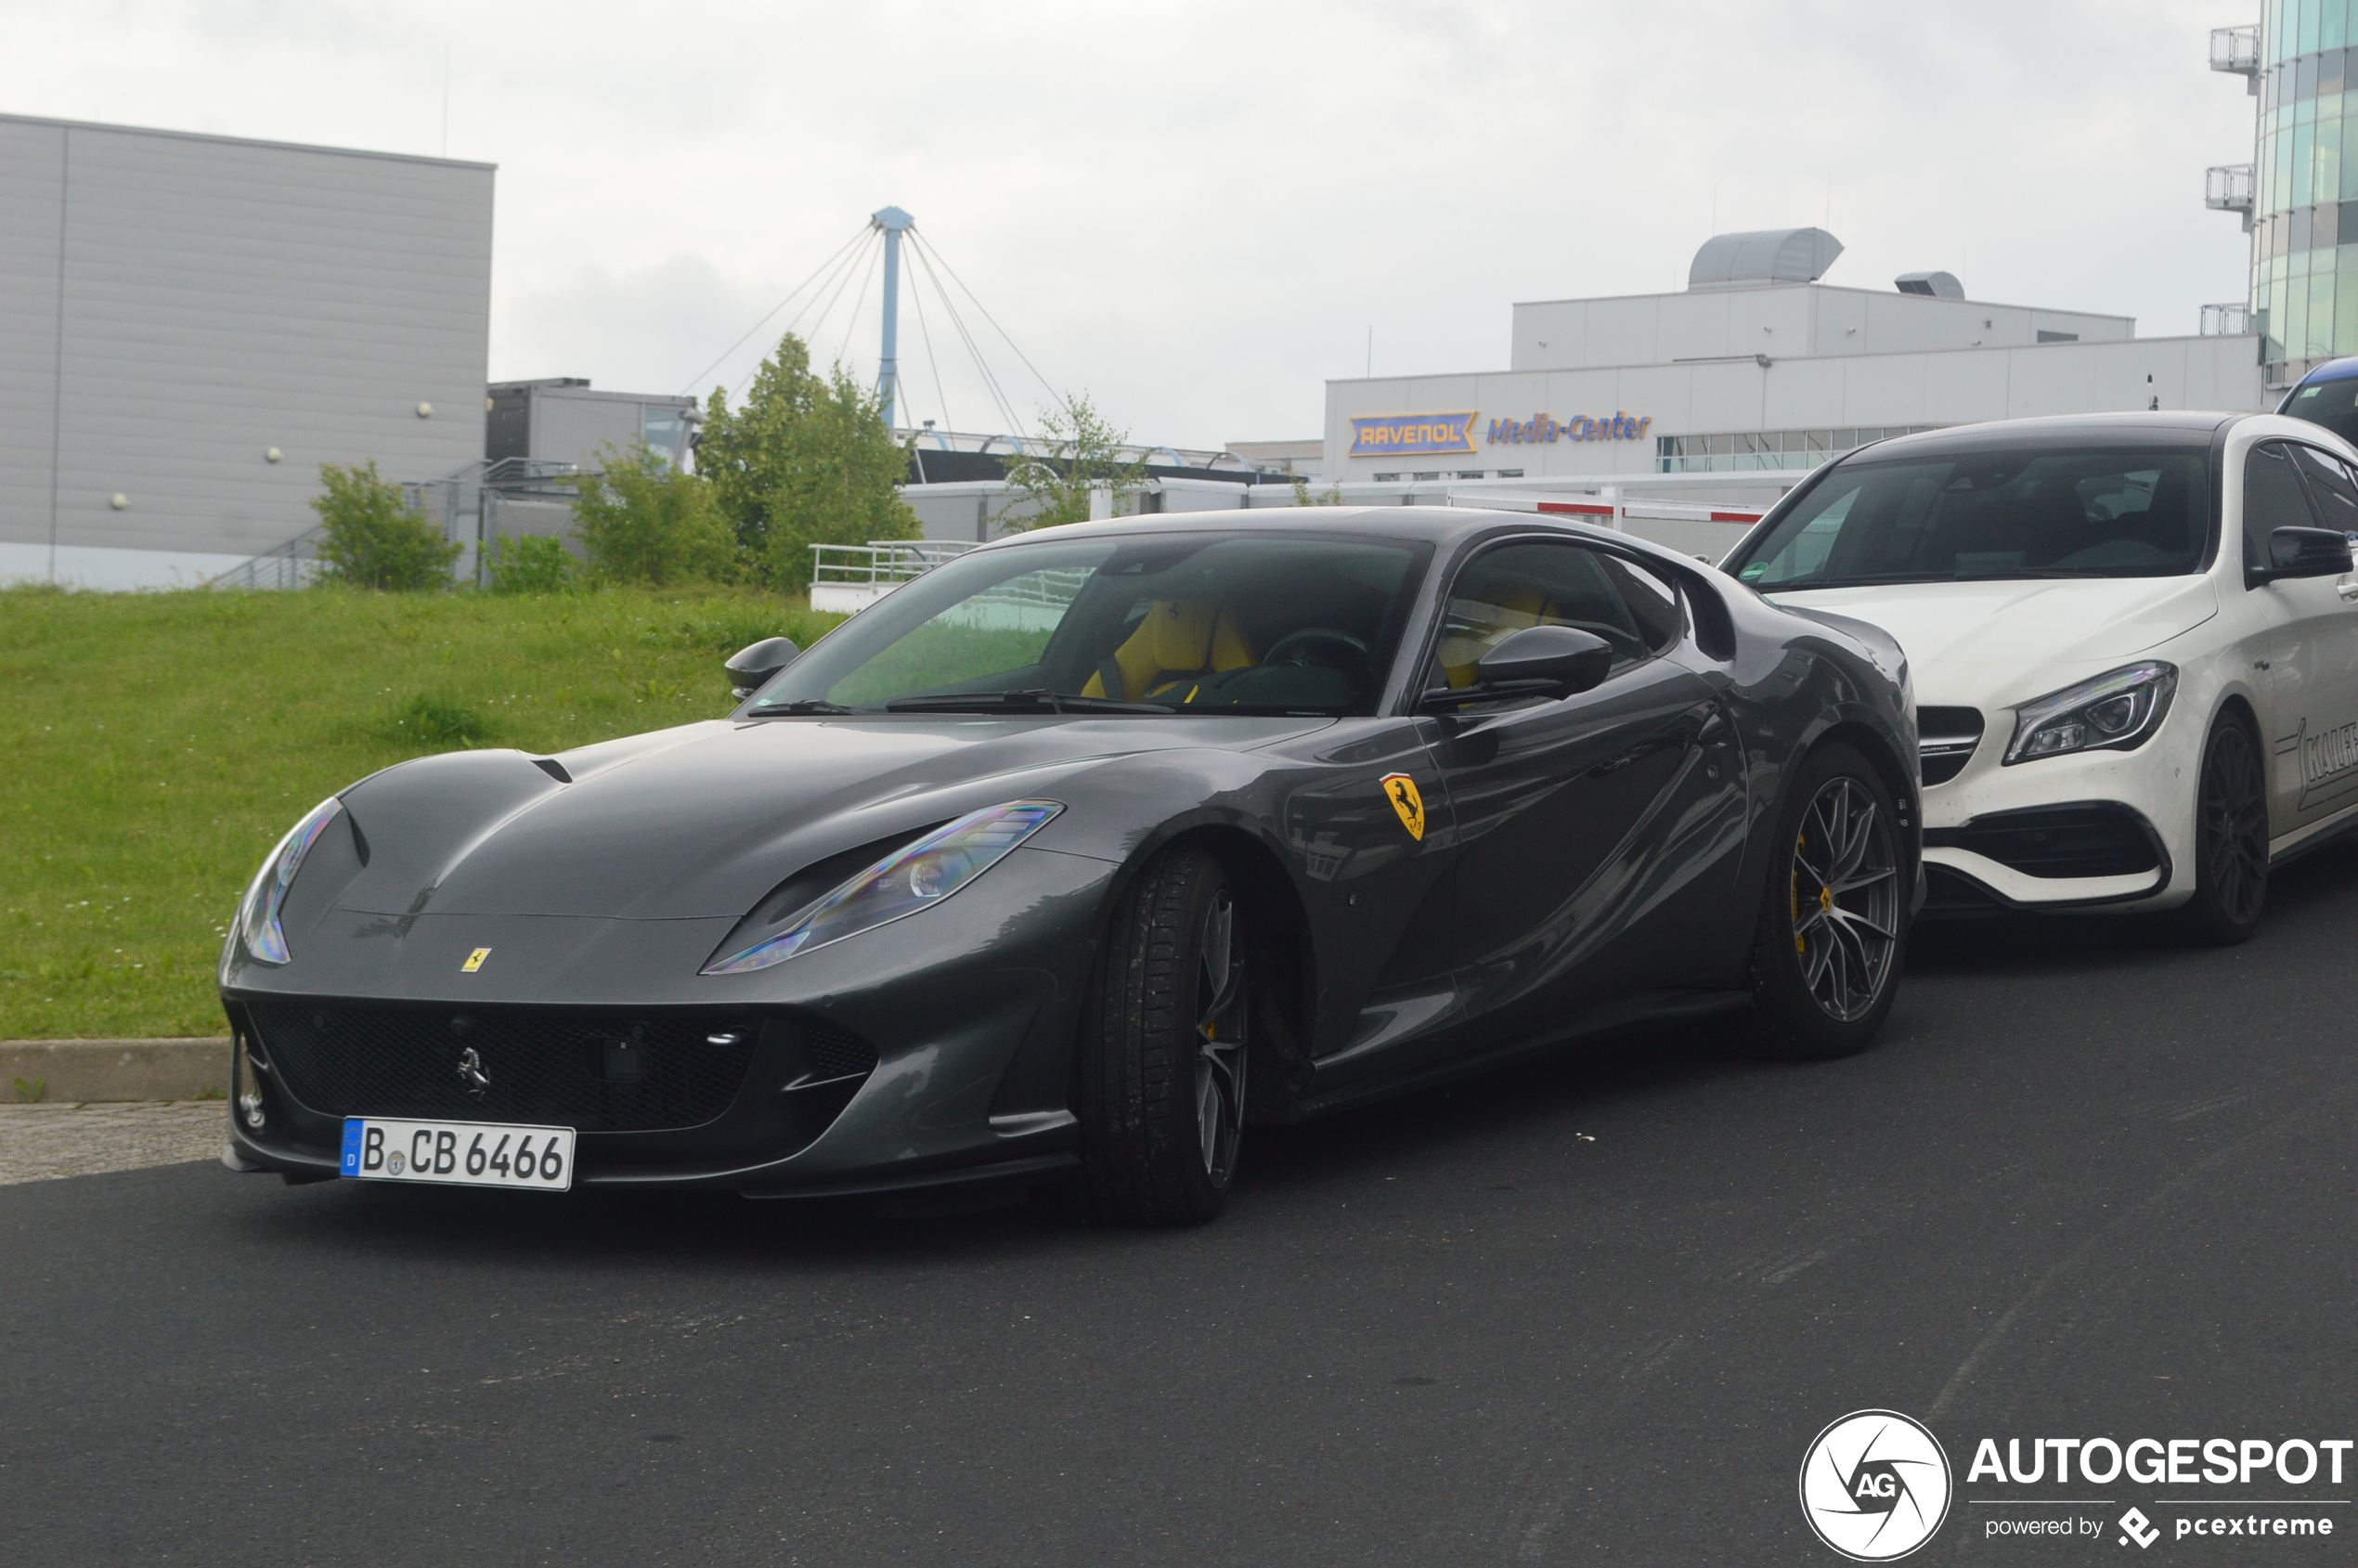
point(1161, 1082)
point(2231, 838)
point(1826, 956)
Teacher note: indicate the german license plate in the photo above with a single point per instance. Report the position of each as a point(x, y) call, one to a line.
point(458, 1153)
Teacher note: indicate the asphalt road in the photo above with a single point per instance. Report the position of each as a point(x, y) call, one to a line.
point(2086, 1183)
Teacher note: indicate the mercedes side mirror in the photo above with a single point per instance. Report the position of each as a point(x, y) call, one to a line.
point(751, 668)
point(2306, 552)
point(1538, 661)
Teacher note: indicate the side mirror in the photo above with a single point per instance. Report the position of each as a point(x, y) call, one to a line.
point(750, 668)
point(1538, 658)
point(2306, 552)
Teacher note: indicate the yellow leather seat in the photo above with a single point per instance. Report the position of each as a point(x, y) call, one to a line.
point(1506, 612)
point(1180, 639)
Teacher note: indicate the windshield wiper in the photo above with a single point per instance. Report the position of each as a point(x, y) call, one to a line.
point(1030, 701)
point(801, 706)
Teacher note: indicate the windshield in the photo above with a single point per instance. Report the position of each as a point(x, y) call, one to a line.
point(2111, 512)
point(2333, 404)
point(1158, 624)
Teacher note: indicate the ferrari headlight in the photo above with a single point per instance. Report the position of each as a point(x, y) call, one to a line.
point(914, 878)
point(2114, 712)
point(258, 916)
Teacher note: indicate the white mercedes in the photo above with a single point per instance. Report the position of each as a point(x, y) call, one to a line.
point(2134, 643)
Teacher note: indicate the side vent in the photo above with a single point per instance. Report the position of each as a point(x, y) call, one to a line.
point(1946, 740)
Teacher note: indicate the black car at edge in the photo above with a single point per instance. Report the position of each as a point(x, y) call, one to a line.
point(1072, 858)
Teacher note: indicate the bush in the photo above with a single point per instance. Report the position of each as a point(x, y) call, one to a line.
point(373, 538)
point(643, 521)
point(807, 459)
point(528, 563)
point(436, 721)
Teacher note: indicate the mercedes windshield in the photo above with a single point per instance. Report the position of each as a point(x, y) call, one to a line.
point(2110, 512)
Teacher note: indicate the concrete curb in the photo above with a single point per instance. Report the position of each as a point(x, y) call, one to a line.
point(75, 1070)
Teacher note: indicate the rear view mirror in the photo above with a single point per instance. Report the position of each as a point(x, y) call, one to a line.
point(1564, 656)
point(2306, 552)
point(751, 668)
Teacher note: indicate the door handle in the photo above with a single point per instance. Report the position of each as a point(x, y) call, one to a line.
point(2348, 591)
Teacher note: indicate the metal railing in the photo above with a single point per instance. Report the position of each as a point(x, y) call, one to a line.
point(2230, 188)
point(2226, 320)
point(292, 565)
point(880, 564)
point(2236, 49)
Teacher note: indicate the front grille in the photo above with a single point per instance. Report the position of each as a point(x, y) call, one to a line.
point(1946, 740)
point(595, 1070)
point(2095, 839)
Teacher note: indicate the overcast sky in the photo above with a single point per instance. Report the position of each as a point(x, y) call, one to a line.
point(1196, 211)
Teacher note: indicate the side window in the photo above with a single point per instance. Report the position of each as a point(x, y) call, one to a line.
point(2331, 486)
point(2272, 499)
point(1653, 603)
point(1516, 585)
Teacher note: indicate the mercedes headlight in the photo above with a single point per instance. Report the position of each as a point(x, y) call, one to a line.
point(258, 916)
point(2116, 711)
point(914, 878)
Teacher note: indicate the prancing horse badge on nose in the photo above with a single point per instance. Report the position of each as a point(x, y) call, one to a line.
point(1401, 790)
point(475, 961)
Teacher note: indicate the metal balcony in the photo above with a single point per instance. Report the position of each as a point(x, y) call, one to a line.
point(2230, 188)
point(2236, 49)
point(2226, 320)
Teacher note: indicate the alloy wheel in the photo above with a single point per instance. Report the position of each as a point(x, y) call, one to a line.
point(1846, 900)
point(1221, 1022)
point(2234, 814)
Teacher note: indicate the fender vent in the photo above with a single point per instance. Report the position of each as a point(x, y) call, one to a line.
point(1946, 740)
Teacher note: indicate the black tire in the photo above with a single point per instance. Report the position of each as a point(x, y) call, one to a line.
point(2231, 838)
point(1826, 957)
point(1163, 1046)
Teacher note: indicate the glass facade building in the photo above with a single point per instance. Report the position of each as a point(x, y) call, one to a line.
point(2304, 255)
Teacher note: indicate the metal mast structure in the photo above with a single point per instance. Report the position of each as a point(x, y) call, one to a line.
point(893, 221)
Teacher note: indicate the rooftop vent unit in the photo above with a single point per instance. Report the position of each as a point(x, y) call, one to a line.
point(1768, 255)
point(1932, 285)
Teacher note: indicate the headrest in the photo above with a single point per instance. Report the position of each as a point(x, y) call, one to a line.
point(1180, 633)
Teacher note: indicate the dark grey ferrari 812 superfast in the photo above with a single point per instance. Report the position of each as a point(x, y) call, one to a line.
point(1075, 857)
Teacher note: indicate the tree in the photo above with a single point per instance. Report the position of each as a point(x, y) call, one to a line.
point(1086, 453)
point(807, 459)
point(370, 538)
point(641, 520)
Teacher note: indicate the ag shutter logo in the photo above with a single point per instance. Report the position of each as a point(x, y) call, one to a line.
point(1875, 1486)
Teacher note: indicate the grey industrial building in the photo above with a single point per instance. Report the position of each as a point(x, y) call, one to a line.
point(191, 325)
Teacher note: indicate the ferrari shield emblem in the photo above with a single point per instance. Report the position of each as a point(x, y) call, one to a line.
point(1401, 790)
point(475, 961)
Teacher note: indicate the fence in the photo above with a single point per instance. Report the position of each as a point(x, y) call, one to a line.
point(849, 577)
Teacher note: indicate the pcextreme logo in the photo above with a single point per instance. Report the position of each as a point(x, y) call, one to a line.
point(1875, 1486)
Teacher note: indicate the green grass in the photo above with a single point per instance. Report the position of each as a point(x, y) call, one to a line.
point(159, 744)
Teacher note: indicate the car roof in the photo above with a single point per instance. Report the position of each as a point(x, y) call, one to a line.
point(1435, 524)
point(2332, 370)
point(2174, 427)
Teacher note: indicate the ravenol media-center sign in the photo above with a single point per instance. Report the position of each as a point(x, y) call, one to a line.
point(1387, 435)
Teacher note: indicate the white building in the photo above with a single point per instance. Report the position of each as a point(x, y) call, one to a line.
point(1734, 388)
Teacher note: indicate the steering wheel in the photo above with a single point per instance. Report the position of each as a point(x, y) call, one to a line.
point(1320, 647)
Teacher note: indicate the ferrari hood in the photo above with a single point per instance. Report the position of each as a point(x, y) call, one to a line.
point(705, 820)
point(2022, 623)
